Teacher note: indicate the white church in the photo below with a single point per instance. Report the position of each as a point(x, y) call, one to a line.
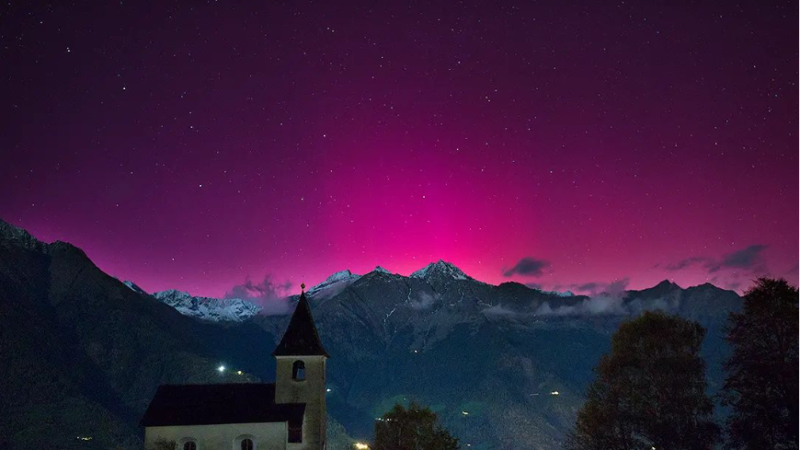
point(287, 414)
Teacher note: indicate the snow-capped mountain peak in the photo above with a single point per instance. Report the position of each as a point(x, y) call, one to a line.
point(208, 308)
point(204, 308)
point(379, 269)
point(442, 269)
point(338, 280)
point(341, 275)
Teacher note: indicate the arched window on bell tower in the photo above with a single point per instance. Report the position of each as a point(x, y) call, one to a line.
point(299, 371)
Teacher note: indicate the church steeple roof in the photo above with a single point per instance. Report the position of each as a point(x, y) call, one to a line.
point(301, 338)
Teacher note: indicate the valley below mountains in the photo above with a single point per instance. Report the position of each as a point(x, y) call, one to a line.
point(504, 367)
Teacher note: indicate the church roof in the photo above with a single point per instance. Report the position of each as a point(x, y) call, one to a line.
point(301, 338)
point(208, 404)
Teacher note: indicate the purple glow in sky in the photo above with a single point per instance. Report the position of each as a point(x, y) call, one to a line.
point(196, 146)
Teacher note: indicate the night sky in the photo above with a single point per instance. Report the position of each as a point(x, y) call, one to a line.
point(197, 146)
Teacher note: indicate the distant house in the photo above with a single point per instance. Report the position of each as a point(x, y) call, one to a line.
point(287, 414)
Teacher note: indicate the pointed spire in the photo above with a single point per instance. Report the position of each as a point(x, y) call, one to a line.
point(301, 337)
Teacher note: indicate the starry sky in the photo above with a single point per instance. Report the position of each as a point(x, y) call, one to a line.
point(567, 145)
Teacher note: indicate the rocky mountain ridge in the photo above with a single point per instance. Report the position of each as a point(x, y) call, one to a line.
point(203, 308)
point(83, 352)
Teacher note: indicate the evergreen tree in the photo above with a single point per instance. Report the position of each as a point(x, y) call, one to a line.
point(762, 378)
point(650, 390)
point(415, 428)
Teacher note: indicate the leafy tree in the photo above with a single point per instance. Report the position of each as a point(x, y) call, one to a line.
point(762, 378)
point(649, 391)
point(415, 428)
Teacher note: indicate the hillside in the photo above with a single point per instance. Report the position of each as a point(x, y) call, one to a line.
point(83, 353)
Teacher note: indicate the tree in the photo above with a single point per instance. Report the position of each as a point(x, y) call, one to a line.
point(415, 428)
point(762, 378)
point(649, 391)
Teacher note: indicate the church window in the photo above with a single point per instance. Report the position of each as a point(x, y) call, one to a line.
point(190, 445)
point(299, 371)
point(295, 433)
point(247, 444)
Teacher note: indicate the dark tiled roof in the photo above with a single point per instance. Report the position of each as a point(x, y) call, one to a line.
point(206, 404)
point(301, 338)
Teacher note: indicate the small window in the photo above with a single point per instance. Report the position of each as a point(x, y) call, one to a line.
point(299, 371)
point(191, 445)
point(295, 434)
point(247, 444)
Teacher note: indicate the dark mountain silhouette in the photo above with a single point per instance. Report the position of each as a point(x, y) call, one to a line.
point(503, 366)
point(82, 353)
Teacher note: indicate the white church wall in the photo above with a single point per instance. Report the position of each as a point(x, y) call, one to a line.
point(265, 436)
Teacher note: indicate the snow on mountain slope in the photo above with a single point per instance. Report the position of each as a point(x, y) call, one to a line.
point(134, 287)
point(207, 308)
point(560, 294)
point(440, 269)
point(334, 284)
point(204, 308)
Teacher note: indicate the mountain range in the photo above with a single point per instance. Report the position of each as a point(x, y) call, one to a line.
point(503, 366)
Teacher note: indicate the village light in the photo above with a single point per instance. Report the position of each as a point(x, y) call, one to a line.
point(221, 369)
point(239, 372)
point(554, 393)
point(361, 446)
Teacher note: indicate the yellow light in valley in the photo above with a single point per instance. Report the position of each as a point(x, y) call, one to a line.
point(361, 446)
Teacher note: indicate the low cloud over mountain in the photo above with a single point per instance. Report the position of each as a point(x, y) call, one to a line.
point(267, 294)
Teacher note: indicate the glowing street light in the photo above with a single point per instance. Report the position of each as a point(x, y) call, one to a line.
point(221, 369)
point(361, 446)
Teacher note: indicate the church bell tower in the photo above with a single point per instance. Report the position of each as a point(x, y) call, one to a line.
point(300, 376)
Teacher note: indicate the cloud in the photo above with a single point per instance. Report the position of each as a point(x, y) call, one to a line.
point(499, 310)
point(613, 300)
point(682, 264)
point(591, 287)
point(425, 301)
point(603, 304)
point(748, 258)
point(609, 298)
point(733, 285)
point(269, 295)
point(528, 266)
point(595, 288)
